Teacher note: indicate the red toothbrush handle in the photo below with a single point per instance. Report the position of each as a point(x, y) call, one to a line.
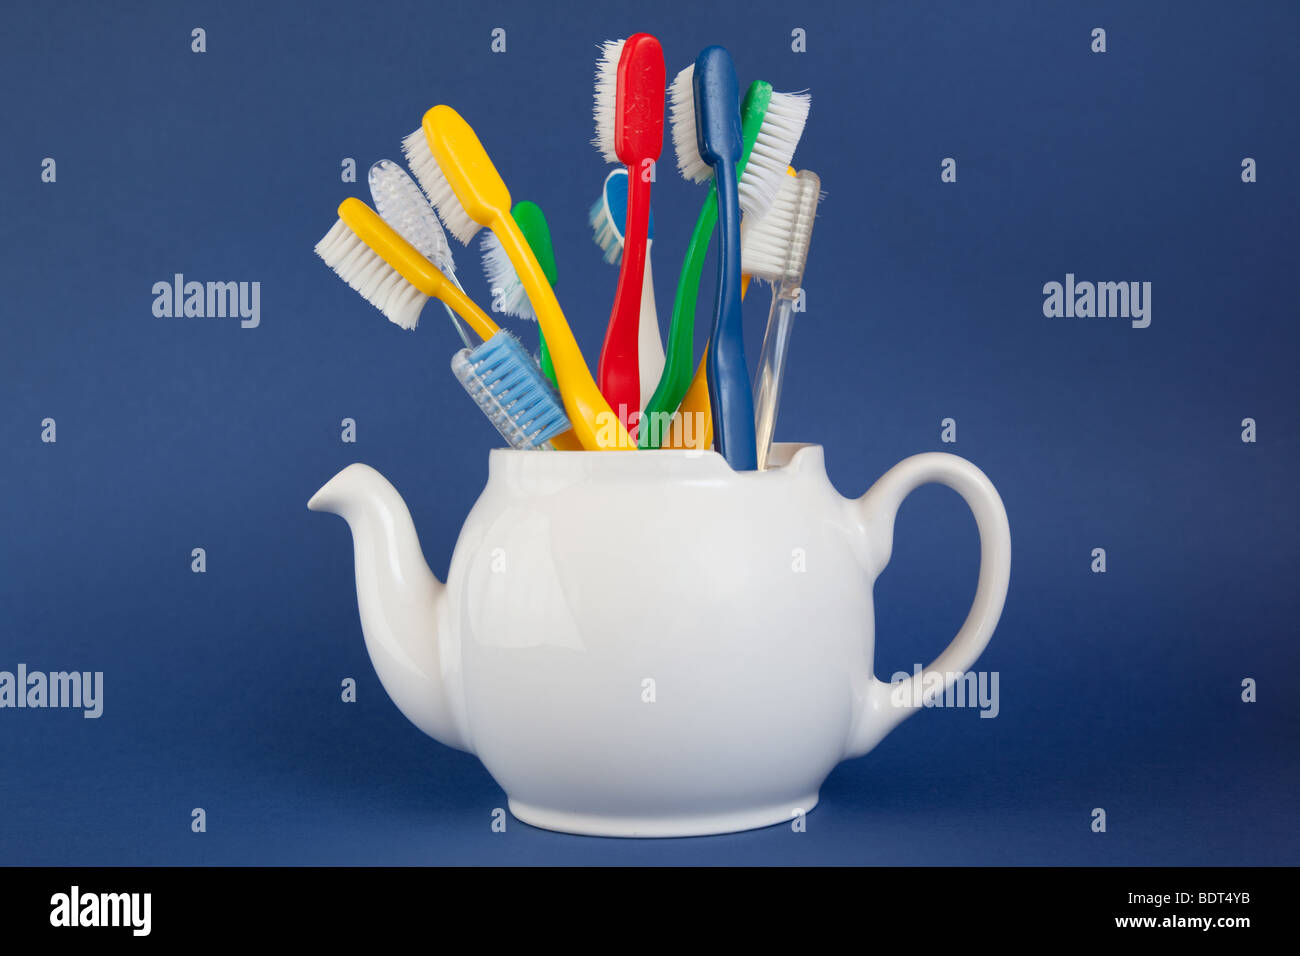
point(619, 375)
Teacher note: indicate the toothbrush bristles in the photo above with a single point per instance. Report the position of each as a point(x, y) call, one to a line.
point(431, 179)
point(604, 231)
point(764, 174)
point(606, 98)
point(507, 385)
point(774, 247)
point(365, 271)
point(681, 100)
point(508, 293)
point(403, 206)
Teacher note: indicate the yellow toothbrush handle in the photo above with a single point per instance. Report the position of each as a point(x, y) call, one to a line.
point(595, 425)
point(696, 403)
point(389, 245)
point(695, 408)
point(467, 309)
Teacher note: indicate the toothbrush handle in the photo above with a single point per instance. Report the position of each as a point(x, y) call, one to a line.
point(649, 346)
point(692, 424)
point(455, 319)
point(618, 374)
point(594, 423)
point(771, 372)
point(680, 354)
point(452, 296)
point(569, 440)
point(460, 329)
point(695, 406)
point(544, 359)
point(729, 394)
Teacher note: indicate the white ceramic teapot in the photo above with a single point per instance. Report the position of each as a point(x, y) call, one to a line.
point(647, 643)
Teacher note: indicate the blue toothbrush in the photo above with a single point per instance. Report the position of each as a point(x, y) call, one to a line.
point(717, 132)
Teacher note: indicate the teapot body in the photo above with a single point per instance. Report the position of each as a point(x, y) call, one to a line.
point(651, 644)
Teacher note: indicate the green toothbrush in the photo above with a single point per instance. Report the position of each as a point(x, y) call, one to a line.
point(784, 114)
point(538, 236)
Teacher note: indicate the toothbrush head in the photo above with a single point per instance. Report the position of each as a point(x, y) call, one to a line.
point(629, 102)
point(370, 256)
point(508, 295)
point(608, 216)
point(399, 201)
point(507, 288)
point(717, 107)
point(773, 123)
point(774, 247)
point(455, 172)
point(604, 231)
point(506, 383)
point(681, 99)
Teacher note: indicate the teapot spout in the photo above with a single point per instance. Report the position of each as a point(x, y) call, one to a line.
point(403, 614)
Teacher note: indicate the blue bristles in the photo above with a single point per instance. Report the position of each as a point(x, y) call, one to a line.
point(505, 381)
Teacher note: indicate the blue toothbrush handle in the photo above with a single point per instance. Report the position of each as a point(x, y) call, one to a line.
point(732, 402)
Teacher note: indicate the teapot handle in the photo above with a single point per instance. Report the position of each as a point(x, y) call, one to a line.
point(880, 710)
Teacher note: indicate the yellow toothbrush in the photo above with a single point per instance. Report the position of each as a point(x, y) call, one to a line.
point(422, 274)
point(458, 176)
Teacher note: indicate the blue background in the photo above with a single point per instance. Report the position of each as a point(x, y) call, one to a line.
point(1118, 690)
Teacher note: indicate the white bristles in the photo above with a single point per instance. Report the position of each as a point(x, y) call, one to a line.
point(605, 231)
point(762, 177)
point(606, 98)
point(681, 100)
point(508, 293)
point(365, 271)
point(774, 247)
point(420, 158)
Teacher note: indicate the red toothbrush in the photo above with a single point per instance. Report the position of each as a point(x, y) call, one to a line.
point(629, 130)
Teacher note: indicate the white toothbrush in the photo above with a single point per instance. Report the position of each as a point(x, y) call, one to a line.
point(774, 249)
point(403, 206)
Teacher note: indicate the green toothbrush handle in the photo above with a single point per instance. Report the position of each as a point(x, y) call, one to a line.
point(679, 356)
point(544, 358)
